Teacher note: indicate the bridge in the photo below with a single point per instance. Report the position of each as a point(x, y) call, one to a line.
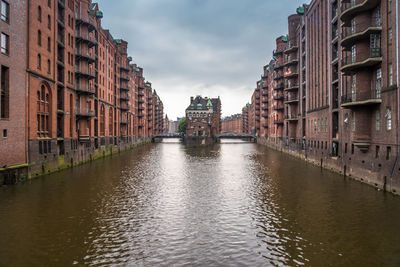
point(246, 137)
point(159, 137)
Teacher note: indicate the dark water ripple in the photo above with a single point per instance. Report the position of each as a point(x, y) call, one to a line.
point(229, 205)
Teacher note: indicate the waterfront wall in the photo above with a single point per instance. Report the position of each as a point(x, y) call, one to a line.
point(193, 141)
point(383, 175)
point(75, 153)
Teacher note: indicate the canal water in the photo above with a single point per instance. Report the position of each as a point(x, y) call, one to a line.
point(234, 204)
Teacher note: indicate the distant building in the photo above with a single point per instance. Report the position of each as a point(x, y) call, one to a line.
point(173, 127)
point(232, 124)
point(203, 117)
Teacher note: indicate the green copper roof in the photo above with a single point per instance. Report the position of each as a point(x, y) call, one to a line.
point(209, 103)
point(274, 57)
point(300, 10)
point(268, 68)
point(284, 38)
point(137, 69)
point(129, 58)
point(147, 84)
point(99, 14)
point(118, 41)
point(199, 105)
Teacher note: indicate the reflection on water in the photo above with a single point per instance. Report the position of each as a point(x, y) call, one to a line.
point(229, 204)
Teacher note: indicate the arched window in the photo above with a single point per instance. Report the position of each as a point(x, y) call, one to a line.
point(39, 13)
point(48, 66)
point(102, 121)
point(39, 38)
point(39, 61)
point(49, 22)
point(43, 111)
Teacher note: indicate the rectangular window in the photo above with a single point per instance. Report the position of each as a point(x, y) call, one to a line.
point(5, 11)
point(377, 120)
point(353, 122)
point(352, 148)
point(389, 8)
point(353, 54)
point(5, 43)
point(378, 85)
point(388, 116)
point(5, 93)
point(345, 148)
point(353, 88)
point(390, 36)
point(390, 74)
point(377, 152)
point(388, 152)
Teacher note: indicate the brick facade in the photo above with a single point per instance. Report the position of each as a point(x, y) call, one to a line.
point(330, 94)
point(84, 95)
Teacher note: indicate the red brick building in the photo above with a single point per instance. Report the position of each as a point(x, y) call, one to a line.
point(203, 117)
point(85, 97)
point(13, 91)
point(331, 90)
point(232, 124)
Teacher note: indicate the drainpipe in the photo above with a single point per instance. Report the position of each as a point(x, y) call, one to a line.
point(397, 93)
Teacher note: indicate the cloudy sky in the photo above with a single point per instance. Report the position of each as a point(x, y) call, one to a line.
point(200, 47)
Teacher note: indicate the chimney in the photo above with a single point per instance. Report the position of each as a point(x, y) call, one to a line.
point(191, 99)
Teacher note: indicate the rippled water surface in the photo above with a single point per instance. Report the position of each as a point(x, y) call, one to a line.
point(229, 205)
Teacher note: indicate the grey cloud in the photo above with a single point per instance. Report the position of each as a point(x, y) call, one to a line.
point(209, 47)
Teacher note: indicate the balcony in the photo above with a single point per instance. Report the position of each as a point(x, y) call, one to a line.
point(85, 89)
point(265, 108)
point(124, 106)
point(123, 87)
point(123, 121)
point(292, 117)
point(124, 68)
point(87, 73)
point(278, 77)
point(124, 97)
point(277, 52)
point(91, 24)
point(265, 125)
point(278, 108)
point(278, 121)
point(278, 97)
point(265, 115)
point(279, 86)
point(81, 55)
point(291, 100)
point(359, 99)
point(352, 63)
point(265, 101)
point(292, 61)
point(278, 66)
point(291, 86)
point(124, 77)
point(359, 31)
point(351, 8)
point(85, 113)
point(290, 47)
point(90, 40)
point(291, 74)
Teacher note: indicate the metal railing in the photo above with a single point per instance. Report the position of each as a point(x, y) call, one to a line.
point(351, 59)
point(376, 22)
point(353, 97)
